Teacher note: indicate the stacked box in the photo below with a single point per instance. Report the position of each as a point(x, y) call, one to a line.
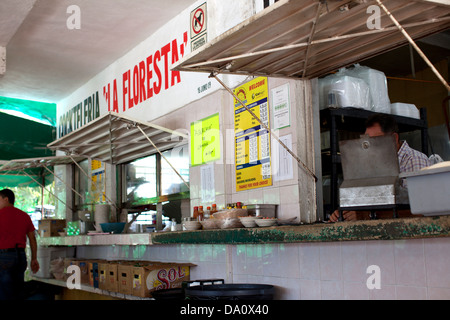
point(103, 268)
point(51, 227)
point(94, 272)
point(112, 277)
point(137, 278)
point(156, 276)
point(84, 270)
point(124, 277)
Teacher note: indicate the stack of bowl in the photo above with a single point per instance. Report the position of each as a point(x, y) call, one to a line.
point(192, 225)
point(249, 221)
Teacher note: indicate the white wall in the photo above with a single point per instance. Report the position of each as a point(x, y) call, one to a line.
point(409, 269)
point(185, 88)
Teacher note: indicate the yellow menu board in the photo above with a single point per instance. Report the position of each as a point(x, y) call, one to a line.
point(252, 140)
point(205, 140)
point(98, 181)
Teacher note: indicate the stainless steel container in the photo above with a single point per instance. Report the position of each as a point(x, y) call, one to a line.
point(263, 210)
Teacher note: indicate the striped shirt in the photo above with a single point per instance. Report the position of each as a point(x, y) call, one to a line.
point(410, 159)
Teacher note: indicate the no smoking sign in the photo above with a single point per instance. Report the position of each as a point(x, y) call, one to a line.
point(198, 27)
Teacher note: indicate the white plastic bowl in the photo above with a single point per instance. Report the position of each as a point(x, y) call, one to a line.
point(249, 222)
point(266, 222)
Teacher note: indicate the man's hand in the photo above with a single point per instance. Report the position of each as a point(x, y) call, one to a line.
point(347, 215)
point(34, 264)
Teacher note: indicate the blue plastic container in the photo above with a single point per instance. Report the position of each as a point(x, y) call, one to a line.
point(115, 228)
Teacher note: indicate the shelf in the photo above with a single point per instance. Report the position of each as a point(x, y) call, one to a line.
point(335, 121)
point(354, 119)
point(88, 288)
point(383, 229)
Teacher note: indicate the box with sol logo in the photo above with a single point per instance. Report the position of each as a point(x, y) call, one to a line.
point(157, 276)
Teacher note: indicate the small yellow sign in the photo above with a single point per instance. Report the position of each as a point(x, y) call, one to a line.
point(205, 140)
point(252, 140)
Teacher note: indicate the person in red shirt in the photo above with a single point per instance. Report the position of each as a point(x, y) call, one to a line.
point(15, 227)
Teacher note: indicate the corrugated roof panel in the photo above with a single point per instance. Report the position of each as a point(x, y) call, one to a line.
point(323, 35)
point(117, 139)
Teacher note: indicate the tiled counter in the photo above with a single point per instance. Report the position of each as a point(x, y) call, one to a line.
point(385, 229)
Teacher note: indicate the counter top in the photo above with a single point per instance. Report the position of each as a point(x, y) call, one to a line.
point(383, 229)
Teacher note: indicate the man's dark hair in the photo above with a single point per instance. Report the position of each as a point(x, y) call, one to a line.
point(6, 193)
point(387, 123)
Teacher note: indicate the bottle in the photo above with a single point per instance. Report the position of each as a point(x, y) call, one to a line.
point(173, 226)
point(195, 214)
point(213, 209)
point(201, 213)
point(238, 205)
point(207, 213)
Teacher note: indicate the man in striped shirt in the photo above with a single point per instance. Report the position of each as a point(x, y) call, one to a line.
point(409, 159)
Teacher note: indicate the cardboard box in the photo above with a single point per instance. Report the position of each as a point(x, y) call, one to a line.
point(103, 268)
point(68, 262)
point(84, 271)
point(51, 227)
point(82, 264)
point(93, 273)
point(124, 278)
point(157, 276)
point(111, 277)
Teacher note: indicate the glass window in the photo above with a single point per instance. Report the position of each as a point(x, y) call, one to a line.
point(141, 180)
point(170, 181)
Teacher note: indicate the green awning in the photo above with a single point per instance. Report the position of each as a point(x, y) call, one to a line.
point(21, 138)
point(42, 112)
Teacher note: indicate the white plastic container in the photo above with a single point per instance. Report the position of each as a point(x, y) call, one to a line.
point(348, 92)
point(101, 215)
point(429, 190)
point(377, 82)
point(405, 110)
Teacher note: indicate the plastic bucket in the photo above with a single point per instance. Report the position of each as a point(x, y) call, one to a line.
point(242, 291)
point(169, 294)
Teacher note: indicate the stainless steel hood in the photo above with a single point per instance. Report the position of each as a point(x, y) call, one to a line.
point(310, 38)
point(370, 169)
point(117, 139)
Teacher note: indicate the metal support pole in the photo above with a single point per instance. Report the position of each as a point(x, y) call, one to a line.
point(313, 30)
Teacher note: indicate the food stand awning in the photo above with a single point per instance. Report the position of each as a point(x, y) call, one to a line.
point(37, 169)
point(18, 165)
point(117, 139)
point(310, 38)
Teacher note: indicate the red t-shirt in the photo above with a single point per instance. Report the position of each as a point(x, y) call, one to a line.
point(14, 226)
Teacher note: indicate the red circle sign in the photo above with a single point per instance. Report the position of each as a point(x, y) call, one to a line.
point(198, 21)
